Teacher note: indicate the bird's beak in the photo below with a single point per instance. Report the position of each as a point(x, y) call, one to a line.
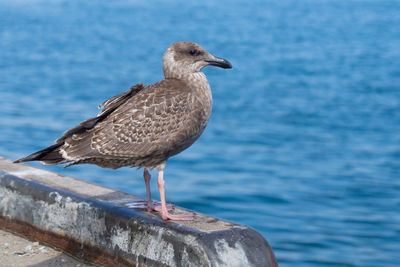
point(219, 62)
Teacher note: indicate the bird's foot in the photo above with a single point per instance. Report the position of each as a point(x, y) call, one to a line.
point(177, 217)
point(157, 207)
point(152, 206)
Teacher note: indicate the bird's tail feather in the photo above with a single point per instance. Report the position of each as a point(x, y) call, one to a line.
point(50, 155)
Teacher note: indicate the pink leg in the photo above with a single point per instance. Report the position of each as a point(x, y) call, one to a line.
point(150, 206)
point(147, 177)
point(164, 212)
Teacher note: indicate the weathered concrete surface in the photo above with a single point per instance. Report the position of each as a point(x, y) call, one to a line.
point(94, 223)
point(16, 251)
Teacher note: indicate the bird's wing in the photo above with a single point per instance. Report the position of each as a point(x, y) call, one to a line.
point(116, 101)
point(151, 122)
point(108, 107)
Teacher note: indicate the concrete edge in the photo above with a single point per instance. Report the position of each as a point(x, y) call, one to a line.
point(101, 229)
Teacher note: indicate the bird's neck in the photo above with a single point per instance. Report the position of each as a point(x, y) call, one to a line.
point(196, 80)
point(198, 83)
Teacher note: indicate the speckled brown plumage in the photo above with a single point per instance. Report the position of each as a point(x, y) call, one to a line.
point(146, 125)
point(152, 125)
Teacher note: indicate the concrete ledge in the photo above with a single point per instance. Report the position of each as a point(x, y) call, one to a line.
point(94, 223)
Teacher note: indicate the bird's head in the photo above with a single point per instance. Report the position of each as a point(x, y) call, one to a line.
point(188, 57)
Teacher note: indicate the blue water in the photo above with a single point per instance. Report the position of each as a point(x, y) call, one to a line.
point(304, 140)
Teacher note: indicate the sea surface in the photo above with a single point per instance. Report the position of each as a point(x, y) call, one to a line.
point(304, 141)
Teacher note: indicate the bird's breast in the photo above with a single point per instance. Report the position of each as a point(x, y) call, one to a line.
point(202, 97)
point(196, 115)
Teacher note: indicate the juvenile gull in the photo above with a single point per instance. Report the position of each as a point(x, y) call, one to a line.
point(146, 125)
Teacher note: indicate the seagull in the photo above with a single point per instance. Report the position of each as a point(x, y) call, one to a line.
point(146, 125)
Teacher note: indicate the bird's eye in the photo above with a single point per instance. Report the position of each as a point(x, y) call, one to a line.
point(193, 52)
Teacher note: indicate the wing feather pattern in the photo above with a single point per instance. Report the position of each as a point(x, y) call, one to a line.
point(146, 129)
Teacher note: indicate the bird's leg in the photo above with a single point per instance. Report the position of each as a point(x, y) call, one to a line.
point(147, 177)
point(150, 206)
point(164, 212)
